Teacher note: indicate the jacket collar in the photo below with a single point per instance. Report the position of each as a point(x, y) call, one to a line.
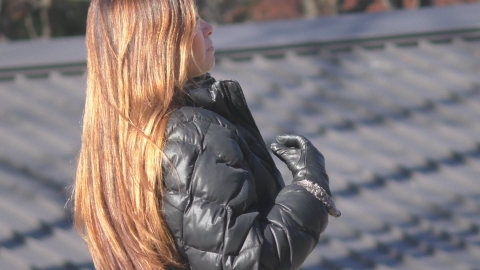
point(210, 95)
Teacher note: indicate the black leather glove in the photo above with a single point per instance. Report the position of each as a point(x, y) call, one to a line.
point(302, 159)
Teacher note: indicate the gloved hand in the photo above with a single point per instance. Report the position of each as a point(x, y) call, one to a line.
point(302, 159)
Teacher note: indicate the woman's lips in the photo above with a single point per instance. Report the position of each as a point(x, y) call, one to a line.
point(211, 49)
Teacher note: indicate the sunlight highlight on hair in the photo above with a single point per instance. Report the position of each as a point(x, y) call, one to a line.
point(138, 55)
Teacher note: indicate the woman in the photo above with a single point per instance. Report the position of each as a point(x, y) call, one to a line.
point(173, 172)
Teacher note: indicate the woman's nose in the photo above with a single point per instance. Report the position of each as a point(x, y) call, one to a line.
point(207, 29)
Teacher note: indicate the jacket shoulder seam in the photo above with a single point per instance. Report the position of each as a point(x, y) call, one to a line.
point(225, 124)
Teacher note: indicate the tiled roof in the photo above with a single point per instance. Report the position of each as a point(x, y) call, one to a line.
point(398, 121)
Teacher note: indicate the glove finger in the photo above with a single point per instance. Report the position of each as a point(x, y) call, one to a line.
point(291, 140)
point(279, 150)
point(275, 147)
point(285, 154)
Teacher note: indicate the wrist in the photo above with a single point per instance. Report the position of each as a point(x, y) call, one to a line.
point(321, 194)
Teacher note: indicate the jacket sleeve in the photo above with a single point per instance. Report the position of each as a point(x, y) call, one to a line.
point(210, 204)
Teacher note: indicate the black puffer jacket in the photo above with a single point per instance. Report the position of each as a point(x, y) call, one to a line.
point(225, 201)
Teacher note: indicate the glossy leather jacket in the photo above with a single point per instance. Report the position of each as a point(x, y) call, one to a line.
point(225, 201)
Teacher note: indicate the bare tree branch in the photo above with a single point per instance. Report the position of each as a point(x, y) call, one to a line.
point(29, 25)
point(2, 36)
point(310, 9)
point(45, 6)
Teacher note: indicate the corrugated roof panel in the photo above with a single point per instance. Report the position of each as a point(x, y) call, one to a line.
point(398, 123)
point(66, 244)
point(339, 159)
point(38, 208)
point(10, 262)
point(36, 254)
point(18, 222)
point(5, 231)
point(30, 124)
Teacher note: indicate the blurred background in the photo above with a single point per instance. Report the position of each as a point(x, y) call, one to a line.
point(389, 92)
point(33, 19)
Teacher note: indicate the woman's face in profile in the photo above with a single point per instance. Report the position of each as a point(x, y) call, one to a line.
point(202, 49)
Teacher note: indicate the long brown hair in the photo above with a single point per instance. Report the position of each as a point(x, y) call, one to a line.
point(138, 55)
